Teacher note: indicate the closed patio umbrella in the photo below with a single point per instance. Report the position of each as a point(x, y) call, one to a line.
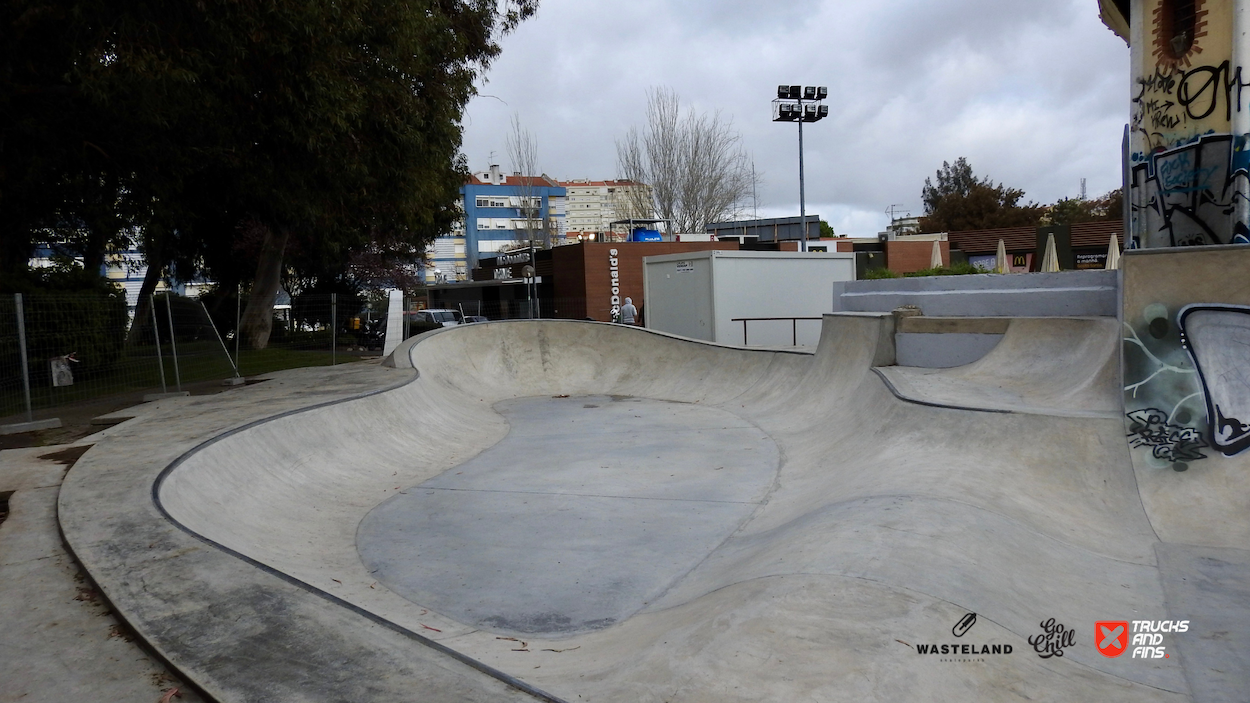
point(1113, 254)
point(1000, 261)
point(1050, 261)
point(935, 261)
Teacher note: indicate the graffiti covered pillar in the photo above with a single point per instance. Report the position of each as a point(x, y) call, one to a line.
point(1186, 358)
point(1189, 123)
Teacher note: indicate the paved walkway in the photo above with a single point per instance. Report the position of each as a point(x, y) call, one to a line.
point(60, 640)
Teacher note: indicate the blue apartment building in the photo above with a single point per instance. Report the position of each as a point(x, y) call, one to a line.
point(494, 220)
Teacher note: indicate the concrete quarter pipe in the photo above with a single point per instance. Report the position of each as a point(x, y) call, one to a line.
point(585, 511)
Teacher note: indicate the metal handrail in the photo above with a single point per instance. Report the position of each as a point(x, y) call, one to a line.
point(794, 322)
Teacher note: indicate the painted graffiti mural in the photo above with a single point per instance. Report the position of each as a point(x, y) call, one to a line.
point(1189, 183)
point(1188, 195)
point(1217, 338)
point(1187, 375)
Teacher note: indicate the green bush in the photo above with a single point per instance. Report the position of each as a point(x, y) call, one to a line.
point(956, 270)
point(879, 273)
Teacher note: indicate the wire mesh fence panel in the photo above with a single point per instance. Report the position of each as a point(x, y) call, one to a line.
point(76, 347)
point(84, 347)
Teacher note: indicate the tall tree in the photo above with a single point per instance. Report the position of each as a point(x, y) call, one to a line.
point(961, 201)
point(1070, 210)
point(694, 163)
point(272, 130)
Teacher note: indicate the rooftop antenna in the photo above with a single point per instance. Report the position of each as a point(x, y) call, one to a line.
point(891, 210)
point(755, 203)
point(1082, 189)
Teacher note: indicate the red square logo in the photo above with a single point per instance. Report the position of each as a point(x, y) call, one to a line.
point(1111, 637)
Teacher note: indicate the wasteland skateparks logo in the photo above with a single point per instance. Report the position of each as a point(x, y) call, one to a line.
point(959, 651)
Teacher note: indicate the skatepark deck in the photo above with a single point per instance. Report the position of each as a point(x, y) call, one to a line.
point(580, 511)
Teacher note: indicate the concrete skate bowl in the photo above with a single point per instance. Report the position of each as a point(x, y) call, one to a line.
point(608, 513)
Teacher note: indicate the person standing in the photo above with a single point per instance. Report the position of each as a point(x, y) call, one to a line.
point(628, 312)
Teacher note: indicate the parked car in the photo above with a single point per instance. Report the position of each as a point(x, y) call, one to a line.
point(475, 318)
point(437, 318)
point(425, 320)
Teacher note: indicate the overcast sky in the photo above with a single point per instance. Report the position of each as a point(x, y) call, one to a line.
point(1033, 92)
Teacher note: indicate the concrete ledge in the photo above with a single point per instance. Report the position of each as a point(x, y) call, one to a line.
point(919, 324)
point(20, 427)
point(1063, 294)
point(149, 397)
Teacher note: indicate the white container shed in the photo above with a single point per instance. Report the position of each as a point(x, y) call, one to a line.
point(754, 298)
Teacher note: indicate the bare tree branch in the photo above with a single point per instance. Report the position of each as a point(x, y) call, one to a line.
point(523, 153)
point(694, 164)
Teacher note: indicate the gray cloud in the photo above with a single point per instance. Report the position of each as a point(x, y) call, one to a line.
point(1033, 93)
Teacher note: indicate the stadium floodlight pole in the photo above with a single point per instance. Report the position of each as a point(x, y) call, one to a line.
point(790, 107)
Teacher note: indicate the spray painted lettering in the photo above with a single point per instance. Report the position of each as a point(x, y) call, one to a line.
point(1170, 99)
point(1188, 195)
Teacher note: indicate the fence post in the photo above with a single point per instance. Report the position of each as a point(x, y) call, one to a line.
point(21, 343)
point(238, 318)
point(334, 326)
point(156, 332)
point(173, 343)
point(222, 343)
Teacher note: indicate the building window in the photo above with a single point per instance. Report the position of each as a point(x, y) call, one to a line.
point(1178, 24)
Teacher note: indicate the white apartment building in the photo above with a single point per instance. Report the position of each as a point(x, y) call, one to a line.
point(592, 206)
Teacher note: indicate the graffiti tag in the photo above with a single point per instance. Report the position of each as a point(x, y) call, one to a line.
point(1150, 428)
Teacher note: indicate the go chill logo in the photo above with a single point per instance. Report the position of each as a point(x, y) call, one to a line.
point(1145, 637)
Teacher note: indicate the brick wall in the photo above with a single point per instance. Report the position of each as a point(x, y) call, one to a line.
point(906, 257)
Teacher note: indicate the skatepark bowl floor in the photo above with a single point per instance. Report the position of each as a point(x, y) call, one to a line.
point(578, 511)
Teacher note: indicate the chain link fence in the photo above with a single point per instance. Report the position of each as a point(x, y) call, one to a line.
point(61, 349)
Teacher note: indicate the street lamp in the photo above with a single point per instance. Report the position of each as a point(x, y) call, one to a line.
point(800, 104)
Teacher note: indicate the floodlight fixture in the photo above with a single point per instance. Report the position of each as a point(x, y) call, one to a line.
point(797, 103)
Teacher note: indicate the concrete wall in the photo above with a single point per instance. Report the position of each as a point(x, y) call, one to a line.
point(946, 342)
point(1189, 121)
point(1063, 294)
point(743, 284)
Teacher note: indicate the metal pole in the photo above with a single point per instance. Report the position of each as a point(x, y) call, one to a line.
point(219, 339)
point(21, 343)
point(156, 330)
point(802, 198)
point(334, 326)
point(173, 343)
point(238, 320)
point(1240, 111)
